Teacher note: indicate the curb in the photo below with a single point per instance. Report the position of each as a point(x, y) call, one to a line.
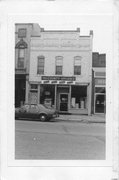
point(80, 121)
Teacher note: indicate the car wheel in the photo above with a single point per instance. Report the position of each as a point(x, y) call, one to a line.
point(43, 117)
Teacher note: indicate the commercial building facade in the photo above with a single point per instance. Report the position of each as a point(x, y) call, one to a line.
point(59, 69)
point(60, 73)
point(22, 56)
point(99, 83)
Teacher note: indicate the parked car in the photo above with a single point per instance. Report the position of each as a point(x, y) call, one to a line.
point(34, 111)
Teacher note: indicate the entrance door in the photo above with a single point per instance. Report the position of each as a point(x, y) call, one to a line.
point(63, 102)
point(100, 103)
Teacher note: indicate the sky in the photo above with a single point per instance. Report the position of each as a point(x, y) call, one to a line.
point(100, 24)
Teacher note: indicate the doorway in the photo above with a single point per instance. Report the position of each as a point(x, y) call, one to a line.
point(63, 102)
point(100, 103)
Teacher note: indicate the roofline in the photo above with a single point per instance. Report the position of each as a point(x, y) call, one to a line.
point(79, 36)
point(24, 24)
point(59, 31)
point(85, 36)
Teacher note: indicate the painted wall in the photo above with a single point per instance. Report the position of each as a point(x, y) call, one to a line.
point(66, 44)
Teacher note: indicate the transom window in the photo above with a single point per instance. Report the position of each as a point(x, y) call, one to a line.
point(59, 65)
point(40, 65)
point(77, 65)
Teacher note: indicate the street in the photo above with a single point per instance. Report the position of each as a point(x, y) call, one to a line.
point(59, 140)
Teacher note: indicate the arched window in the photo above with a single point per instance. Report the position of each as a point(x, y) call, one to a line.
point(21, 46)
point(77, 65)
point(40, 64)
point(59, 65)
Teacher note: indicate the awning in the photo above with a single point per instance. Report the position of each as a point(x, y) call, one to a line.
point(64, 82)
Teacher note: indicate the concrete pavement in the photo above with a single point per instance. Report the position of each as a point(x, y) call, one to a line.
point(59, 140)
point(97, 118)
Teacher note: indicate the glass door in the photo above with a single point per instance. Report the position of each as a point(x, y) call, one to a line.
point(63, 102)
point(100, 103)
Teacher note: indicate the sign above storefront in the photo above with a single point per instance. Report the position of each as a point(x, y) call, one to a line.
point(100, 81)
point(62, 82)
point(57, 78)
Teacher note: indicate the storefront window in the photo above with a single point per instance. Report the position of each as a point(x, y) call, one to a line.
point(100, 103)
point(79, 97)
point(47, 95)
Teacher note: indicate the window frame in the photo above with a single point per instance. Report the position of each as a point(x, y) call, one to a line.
point(58, 58)
point(39, 67)
point(77, 65)
point(21, 59)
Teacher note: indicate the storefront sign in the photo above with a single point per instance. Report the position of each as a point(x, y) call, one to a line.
point(46, 82)
point(100, 81)
point(69, 82)
point(62, 82)
point(62, 78)
point(54, 82)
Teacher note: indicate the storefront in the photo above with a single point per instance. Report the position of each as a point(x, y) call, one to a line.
point(61, 70)
point(66, 97)
point(20, 86)
point(100, 99)
point(99, 91)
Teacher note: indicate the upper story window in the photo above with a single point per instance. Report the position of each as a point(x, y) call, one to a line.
point(77, 65)
point(21, 57)
point(40, 65)
point(59, 65)
point(21, 46)
point(22, 33)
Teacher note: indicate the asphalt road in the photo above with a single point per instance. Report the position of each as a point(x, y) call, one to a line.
point(59, 140)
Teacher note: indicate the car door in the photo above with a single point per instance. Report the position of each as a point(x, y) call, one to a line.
point(24, 111)
point(34, 111)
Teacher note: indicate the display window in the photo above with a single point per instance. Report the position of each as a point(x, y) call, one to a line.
point(79, 97)
point(47, 94)
point(100, 100)
point(99, 103)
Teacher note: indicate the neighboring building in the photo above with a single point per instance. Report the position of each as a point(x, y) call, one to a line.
point(99, 83)
point(22, 56)
point(60, 73)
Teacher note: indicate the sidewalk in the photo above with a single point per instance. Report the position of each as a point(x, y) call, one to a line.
point(100, 118)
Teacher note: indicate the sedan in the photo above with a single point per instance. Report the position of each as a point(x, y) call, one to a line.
point(37, 111)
